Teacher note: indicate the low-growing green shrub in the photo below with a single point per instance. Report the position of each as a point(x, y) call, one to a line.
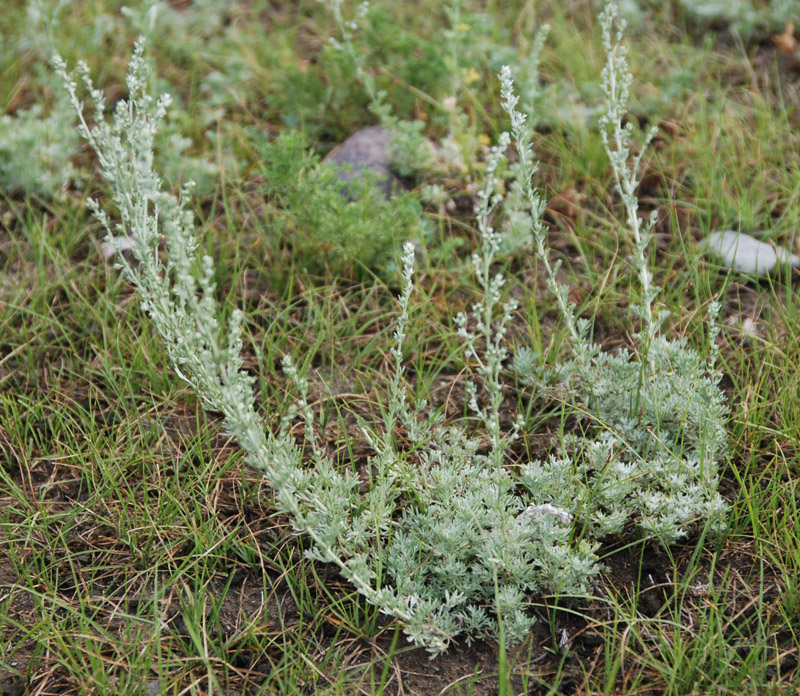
point(449, 539)
point(329, 226)
point(458, 159)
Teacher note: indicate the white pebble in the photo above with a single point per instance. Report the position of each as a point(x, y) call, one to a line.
point(118, 245)
point(746, 254)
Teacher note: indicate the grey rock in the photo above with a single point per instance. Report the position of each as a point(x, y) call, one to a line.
point(365, 151)
point(153, 688)
point(746, 254)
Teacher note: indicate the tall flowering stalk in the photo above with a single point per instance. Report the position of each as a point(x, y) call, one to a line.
point(582, 348)
point(616, 79)
point(489, 331)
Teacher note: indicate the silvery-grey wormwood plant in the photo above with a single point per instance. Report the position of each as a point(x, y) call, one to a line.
point(655, 419)
point(450, 540)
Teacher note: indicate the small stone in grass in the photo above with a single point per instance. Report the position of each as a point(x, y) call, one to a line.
point(746, 254)
point(366, 151)
point(118, 245)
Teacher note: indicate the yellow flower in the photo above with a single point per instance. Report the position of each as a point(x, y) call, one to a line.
point(471, 76)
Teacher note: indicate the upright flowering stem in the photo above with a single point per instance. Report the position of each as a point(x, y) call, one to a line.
point(490, 360)
point(397, 395)
point(616, 82)
point(582, 348)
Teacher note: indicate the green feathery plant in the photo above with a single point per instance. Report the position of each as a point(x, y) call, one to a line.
point(449, 540)
point(324, 231)
point(411, 152)
point(461, 151)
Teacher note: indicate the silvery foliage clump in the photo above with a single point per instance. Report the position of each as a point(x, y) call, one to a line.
point(656, 426)
point(745, 17)
point(446, 540)
point(36, 148)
